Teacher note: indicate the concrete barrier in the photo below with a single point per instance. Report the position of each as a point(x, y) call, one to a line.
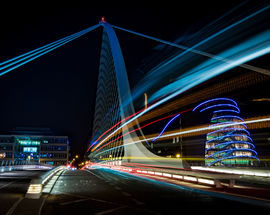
point(36, 185)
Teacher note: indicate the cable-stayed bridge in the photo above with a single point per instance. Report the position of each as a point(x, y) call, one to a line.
point(119, 145)
point(117, 135)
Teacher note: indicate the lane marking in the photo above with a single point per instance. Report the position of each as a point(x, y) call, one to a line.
point(89, 198)
point(95, 175)
point(126, 194)
point(14, 206)
point(8, 184)
point(110, 210)
point(117, 188)
point(17, 179)
point(42, 204)
point(137, 201)
point(74, 201)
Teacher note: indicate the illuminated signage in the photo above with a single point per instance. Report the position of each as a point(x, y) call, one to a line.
point(29, 149)
point(29, 142)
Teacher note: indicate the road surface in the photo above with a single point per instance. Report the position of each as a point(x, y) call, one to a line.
point(104, 191)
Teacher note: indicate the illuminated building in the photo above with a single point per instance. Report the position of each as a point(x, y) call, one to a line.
point(33, 145)
point(227, 145)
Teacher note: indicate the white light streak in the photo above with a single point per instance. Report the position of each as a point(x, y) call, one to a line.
point(193, 131)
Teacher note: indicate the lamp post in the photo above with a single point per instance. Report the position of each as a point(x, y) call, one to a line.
point(180, 139)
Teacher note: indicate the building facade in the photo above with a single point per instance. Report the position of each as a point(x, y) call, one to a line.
point(33, 145)
point(229, 142)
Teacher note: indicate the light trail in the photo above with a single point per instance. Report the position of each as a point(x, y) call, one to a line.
point(229, 150)
point(225, 110)
point(131, 132)
point(229, 135)
point(242, 53)
point(218, 105)
point(96, 141)
point(227, 116)
point(143, 87)
point(173, 115)
point(205, 128)
point(235, 156)
point(230, 129)
point(166, 127)
point(221, 88)
point(246, 51)
point(191, 49)
point(213, 100)
point(228, 143)
point(224, 123)
point(233, 62)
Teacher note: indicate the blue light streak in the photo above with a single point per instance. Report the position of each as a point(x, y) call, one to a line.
point(213, 100)
point(230, 135)
point(230, 150)
point(159, 70)
point(166, 127)
point(220, 105)
point(196, 190)
point(230, 129)
point(230, 123)
point(227, 116)
point(225, 110)
point(231, 157)
point(183, 132)
point(229, 143)
point(248, 50)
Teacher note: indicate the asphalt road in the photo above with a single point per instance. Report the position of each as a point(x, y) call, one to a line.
point(104, 191)
point(13, 186)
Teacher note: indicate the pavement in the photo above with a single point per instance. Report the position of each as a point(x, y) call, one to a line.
point(105, 191)
point(13, 186)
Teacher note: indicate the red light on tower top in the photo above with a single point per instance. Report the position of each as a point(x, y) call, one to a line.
point(103, 19)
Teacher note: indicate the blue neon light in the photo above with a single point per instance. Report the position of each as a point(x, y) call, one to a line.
point(229, 143)
point(240, 54)
point(225, 110)
point(230, 157)
point(229, 129)
point(166, 127)
point(231, 150)
point(220, 105)
point(222, 146)
point(230, 135)
point(228, 116)
point(212, 100)
point(230, 123)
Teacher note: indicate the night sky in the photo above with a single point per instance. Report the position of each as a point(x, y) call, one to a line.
point(58, 90)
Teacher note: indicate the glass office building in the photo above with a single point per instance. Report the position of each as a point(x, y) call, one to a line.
point(229, 143)
point(34, 145)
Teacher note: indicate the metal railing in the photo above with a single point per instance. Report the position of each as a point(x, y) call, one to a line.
point(7, 165)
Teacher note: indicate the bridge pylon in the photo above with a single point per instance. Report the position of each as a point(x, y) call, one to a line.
point(114, 104)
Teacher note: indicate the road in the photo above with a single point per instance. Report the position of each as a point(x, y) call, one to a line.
point(104, 191)
point(13, 186)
